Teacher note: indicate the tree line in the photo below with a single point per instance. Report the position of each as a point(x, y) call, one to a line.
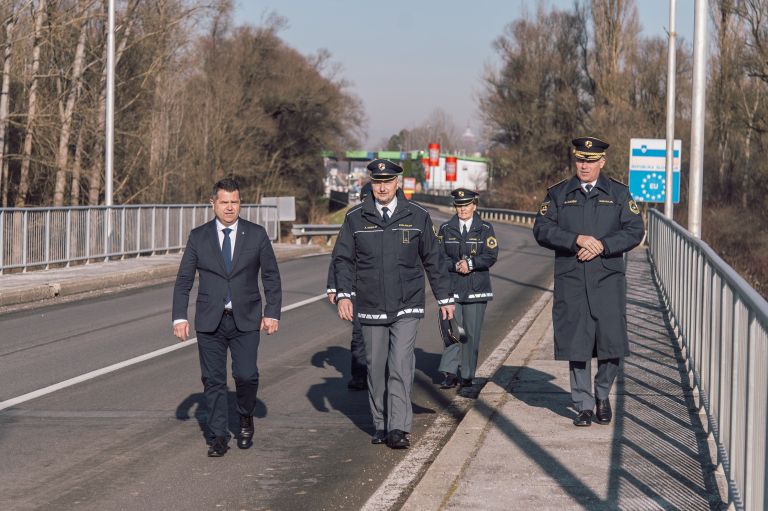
point(588, 70)
point(197, 98)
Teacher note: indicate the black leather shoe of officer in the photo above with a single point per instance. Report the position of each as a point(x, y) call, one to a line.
point(379, 437)
point(583, 419)
point(449, 381)
point(218, 447)
point(357, 384)
point(397, 440)
point(245, 440)
point(465, 382)
point(604, 413)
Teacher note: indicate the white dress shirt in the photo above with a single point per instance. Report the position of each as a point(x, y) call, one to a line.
point(390, 207)
point(584, 185)
point(232, 237)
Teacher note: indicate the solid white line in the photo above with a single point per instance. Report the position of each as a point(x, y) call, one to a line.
point(403, 478)
point(114, 367)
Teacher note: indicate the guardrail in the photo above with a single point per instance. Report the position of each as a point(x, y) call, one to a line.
point(507, 215)
point(40, 237)
point(721, 323)
point(300, 231)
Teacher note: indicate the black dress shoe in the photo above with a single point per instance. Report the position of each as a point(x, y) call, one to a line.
point(604, 414)
point(218, 447)
point(379, 437)
point(583, 419)
point(449, 381)
point(357, 384)
point(245, 440)
point(465, 382)
point(397, 439)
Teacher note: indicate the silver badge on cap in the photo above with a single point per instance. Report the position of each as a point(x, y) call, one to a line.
point(382, 166)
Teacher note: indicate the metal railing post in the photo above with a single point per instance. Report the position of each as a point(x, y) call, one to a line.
point(47, 249)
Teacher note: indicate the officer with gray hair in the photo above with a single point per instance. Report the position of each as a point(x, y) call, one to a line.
point(379, 255)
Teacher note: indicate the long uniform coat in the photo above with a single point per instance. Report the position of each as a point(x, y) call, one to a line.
point(480, 248)
point(382, 262)
point(589, 310)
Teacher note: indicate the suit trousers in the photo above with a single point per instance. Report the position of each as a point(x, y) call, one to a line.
point(357, 347)
point(389, 351)
point(581, 384)
point(212, 348)
point(461, 359)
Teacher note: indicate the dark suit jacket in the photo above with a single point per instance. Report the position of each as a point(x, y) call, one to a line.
point(253, 252)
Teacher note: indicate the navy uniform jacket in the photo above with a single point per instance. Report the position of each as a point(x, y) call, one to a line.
point(383, 263)
point(480, 248)
point(253, 252)
point(593, 289)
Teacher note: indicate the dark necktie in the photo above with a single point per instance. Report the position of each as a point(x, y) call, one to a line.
point(464, 230)
point(226, 252)
point(588, 188)
point(226, 249)
point(385, 214)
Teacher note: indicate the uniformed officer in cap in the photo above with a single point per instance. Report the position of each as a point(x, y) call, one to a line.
point(590, 222)
point(379, 254)
point(358, 369)
point(469, 250)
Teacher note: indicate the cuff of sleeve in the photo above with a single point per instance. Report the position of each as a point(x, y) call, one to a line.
point(447, 301)
point(177, 321)
point(605, 248)
point(471, 264)
point(330, 291)
point(341, 295)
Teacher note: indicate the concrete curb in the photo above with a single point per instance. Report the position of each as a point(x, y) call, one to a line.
point(441, 479)
point(77, 280)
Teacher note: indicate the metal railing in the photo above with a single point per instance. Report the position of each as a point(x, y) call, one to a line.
point(507, 215)
point(308, 230)
point(721, 324)
point(40, 237)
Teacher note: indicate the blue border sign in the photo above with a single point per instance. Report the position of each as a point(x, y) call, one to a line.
point(647, 170)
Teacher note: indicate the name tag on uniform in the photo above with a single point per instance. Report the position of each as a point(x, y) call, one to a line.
point(605, 201)
point(569, 202)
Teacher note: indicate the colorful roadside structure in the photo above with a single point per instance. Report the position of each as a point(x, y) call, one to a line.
point(345, 173)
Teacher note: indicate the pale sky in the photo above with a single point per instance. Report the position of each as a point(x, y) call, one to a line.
point(407, 58)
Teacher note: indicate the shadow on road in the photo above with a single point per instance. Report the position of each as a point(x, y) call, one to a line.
point(195, 404)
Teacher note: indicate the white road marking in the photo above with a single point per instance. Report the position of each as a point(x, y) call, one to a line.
point(405, 475)
point(114, 367)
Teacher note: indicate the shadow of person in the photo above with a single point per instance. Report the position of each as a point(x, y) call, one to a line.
point(428, 363)
point(195, 403)
point(332, 394)
point(534, 388)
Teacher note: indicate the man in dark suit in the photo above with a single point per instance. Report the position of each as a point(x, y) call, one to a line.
point(228, 253)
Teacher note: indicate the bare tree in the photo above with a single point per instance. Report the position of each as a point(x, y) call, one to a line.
point(67, 115)
point(39, 17)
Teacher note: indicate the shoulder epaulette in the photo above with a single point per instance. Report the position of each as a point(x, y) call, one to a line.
point(621, 183)
point(558, 183)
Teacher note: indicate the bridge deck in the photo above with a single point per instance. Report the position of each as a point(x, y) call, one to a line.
point(517, 448)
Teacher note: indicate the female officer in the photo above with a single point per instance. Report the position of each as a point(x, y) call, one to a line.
point(469, 250)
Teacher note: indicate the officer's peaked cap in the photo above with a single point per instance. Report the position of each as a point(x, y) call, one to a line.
point(589, 148)
point(384, 170)
point(463, 196)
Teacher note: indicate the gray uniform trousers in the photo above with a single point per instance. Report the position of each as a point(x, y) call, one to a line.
point(461, 359)
point(581, 384)
point(389, 351)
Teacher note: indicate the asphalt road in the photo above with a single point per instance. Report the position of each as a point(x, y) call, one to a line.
point(132, 439)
